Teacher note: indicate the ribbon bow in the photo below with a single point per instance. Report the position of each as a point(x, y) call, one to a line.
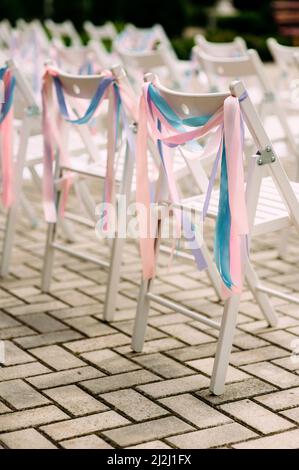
point(170, 130)
point(6, 131)
point(108, 88)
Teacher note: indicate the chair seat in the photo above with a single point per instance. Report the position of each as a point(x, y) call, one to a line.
point(98, 169)
point(271, 213)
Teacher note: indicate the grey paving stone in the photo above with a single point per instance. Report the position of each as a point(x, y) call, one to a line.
point(292, 414)
point(22, 371)
point(90, 326)
point(15, 355)
point(43, 323)
point(151, 445)
point(109, 361)
point(15, 332)
point(212, 437)
point(257, 355)
point(6, 321)
point(67, 377)
point(86, 442)
point(206, 366)
point(85, 425)
point(119, 381)
point(48, 338)
point(26, 439)
point(256, 416)
point(193, 352)
point(142, 432)
point(163, 365)
point(154, 346)
point(134, 405)
point(186, 334)
point(280, 400)
point(21, 395)
point(29, 418)
point(285, 440)
point(93, 344)
point(195, 411)
point(165, 388)
point(35, 308)
point(75, 400)
point(57, 357)
point(237, 390)
point(281, 338)
point(4, 408)
point(273, 374)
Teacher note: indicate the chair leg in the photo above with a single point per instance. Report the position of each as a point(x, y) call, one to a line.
point(224, 346)
point(51, 234)
point(212, 271)
point(142, 312)
point(143, 304)
point(8, 240)
point(48, 258)
point(113, 278)
point(29, 211)
point(261, 297)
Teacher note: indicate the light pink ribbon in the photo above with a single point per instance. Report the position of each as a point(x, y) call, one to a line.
point(6, 149)
point(227, 124)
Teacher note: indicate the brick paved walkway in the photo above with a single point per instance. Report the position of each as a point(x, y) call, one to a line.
point(71, 380)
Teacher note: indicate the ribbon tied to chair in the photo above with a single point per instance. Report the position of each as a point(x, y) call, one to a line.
point(6, 134)
point(109, 88)
point(168, 129)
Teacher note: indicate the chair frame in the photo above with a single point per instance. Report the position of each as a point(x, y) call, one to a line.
point(242, 67)
point(260, 293)
point(235, 48)
point(87, 87)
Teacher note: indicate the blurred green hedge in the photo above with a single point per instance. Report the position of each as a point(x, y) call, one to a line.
point(254, 21)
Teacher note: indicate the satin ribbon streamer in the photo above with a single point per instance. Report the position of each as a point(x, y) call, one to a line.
point(108, 88)
point(6, 134)
point(170, 130)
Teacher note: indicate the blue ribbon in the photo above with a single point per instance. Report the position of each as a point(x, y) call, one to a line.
point(223, 220)
point(105, 83)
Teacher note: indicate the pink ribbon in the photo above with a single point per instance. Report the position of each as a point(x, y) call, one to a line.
point(52, 138)
point(228, 126)
point(6, 137)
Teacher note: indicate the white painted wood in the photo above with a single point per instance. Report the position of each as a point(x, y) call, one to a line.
point(224, 345)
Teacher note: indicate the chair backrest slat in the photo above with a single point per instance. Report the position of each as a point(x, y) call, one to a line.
point(235, 48)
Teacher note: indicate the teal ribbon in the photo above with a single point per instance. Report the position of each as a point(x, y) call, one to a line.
point(223, 220)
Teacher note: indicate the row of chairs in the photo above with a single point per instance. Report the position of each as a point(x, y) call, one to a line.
point(271, 199)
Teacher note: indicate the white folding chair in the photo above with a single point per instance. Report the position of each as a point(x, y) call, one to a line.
point(86, 85)
point(78, 59)
point(139, 62)
point(98, 33)
point(84, 88)
point(249, 67)
point(272, 203)
point(59, 31)
point(5, 33)
point(235, 48)
point(286, 58)
point(27, 114)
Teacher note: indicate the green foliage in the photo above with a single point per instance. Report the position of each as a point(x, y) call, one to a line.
point(183, 47)
point(252, 22)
